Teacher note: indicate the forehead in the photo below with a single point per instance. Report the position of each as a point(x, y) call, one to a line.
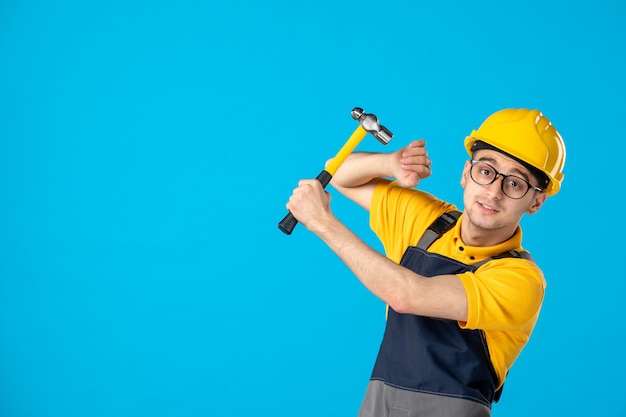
point(502, 162)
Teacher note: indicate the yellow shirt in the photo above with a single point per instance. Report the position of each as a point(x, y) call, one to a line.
point(504, 295)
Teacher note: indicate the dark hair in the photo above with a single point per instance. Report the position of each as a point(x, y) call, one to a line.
point(541, 178)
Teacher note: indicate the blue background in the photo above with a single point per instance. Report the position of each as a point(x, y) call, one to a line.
point(147, 150)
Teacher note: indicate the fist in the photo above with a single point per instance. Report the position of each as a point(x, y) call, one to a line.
point(412, 164)
point(309, 203)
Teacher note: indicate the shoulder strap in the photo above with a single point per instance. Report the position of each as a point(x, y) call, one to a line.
point(438, 228)
point(445, 222)
point(508, 254)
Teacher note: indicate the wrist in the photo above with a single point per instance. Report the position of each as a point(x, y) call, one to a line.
point(390, 165)
point(323, 225)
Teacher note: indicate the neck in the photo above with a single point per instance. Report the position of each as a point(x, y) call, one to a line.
point(475, 235)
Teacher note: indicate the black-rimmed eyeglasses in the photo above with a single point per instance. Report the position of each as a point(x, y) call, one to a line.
point(512, 186)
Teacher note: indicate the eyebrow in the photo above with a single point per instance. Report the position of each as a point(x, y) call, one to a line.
point(519, 172)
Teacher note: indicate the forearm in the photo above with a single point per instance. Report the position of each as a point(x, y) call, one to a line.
point(361, 168)
point(357, 177)
point(402, 289)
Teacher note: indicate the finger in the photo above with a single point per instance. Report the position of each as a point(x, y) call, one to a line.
point(414, 151)
point(415, 161)
point(417, 143)
point(423, 171)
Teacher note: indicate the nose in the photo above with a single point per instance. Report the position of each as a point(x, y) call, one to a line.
point(495, 188)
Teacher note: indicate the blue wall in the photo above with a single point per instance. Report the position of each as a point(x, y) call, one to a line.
point(147, 150)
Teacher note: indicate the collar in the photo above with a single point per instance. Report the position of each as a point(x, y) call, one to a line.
point(478, 253)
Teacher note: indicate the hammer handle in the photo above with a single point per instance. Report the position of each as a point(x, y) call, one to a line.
point(289, 222)
point(352, 142)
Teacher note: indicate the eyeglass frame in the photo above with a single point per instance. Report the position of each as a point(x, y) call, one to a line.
point(504, 177)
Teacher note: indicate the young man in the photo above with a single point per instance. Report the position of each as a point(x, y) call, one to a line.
point(463, 296)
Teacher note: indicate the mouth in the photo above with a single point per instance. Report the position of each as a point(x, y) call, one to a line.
point(487, 208)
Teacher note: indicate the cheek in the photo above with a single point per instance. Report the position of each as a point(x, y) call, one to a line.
point(464, 178)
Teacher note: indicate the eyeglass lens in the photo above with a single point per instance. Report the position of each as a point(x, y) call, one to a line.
point(484, 174)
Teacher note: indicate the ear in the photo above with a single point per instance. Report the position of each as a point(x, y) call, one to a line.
point(465, 174)
point(537, 202)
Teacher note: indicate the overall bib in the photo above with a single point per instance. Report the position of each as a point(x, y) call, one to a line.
point(427, 366)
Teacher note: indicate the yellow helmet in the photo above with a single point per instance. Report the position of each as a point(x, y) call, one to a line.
point(529, 137)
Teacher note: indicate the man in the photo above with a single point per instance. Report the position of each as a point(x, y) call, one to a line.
point(463, 296)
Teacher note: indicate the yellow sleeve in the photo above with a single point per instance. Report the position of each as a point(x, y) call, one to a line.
point(399, 216)
point(503, 295)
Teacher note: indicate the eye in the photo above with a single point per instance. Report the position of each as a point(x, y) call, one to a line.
point(514, 183)
point(485, 170)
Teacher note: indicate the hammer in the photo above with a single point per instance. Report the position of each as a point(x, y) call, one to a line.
point(368, 123)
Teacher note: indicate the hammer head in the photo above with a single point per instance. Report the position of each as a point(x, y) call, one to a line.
point(369, 122)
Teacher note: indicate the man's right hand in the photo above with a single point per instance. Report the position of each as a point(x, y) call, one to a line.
point(411, 164)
